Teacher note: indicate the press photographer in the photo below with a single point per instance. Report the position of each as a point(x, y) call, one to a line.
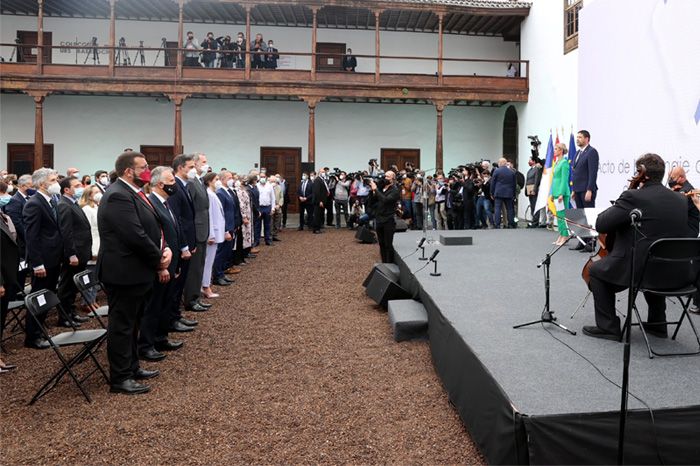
point(383, 200)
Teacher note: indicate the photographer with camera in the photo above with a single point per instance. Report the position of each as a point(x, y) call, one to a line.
point(418, 206)
point(211, 46)
point(192, 53)
point(226, 47)
point(441, 191)
point(341, 195)
point(383, 200)
point(470, 188)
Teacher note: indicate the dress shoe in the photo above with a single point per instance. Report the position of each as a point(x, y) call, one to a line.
point(228, 280)
point(578, 247)
point(276, 239)
point(39, 343)
point(143, 374)
point(68, 323)
point(169, 345)
point(212, 295)
point(188, 322)
point(251, 256)
point(587, 248)
point(658, 330)
point(221, 282)
point(8, 367)
point(595, 332)
point(203, 304)
point(233, 270)
point(79, 318)
point(196, 307)
point(268, 243)
point(694, 309)
point(178, 326)
point(151, 355)
point(129, 387)
point(255, 250)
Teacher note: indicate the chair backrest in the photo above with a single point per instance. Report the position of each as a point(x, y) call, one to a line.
point(41, 302)
point(673, 262)
point(84, 280)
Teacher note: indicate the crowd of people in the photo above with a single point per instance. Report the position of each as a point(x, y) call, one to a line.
point(158, 240)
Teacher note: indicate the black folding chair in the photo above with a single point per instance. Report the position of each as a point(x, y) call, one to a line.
point(679, 259)
point(41, 303)
point(15, 310)
point(85, 283)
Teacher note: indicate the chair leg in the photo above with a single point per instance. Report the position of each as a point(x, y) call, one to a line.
point(644, 333)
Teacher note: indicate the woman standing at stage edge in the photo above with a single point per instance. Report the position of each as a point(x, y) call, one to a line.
point(561, 191)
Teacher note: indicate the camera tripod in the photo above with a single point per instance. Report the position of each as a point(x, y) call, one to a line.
point(547, 315)
point(139, 53)
point(15, 49)
point(122, 53)
point(95, 54)
point(166, 59)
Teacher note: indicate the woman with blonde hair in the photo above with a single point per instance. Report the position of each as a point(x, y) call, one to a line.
point(561, 191)
point(89, 202)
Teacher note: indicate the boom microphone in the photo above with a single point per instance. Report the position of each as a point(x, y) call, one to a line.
point(437, 251)
point(420, 244)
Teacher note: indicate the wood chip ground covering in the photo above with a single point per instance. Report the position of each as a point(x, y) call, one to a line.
point(293, 364)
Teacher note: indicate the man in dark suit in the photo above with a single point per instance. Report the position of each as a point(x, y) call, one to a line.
point(320, 194)
point(101, 180)
point(224, 251)
point(77, 244)
point(14, 210)
point(664, 215)
point(306, 206)
point(181, 206)
point(503, 183)
point(200, 202)
point(584, 173)
point(132, 252)
point(384, 201)
point(285, 197)
point(43, 241)
point(153, 337)
point(271, 56)
point(9, 265)
point(349, 61)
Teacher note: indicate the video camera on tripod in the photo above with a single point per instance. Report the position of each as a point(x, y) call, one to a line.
point(92, 51)
point(535, 149)
point(122, 53)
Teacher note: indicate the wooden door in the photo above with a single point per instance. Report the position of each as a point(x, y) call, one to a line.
point(170, 56)
point(27, 51)
point(399, 157)
point(330, 62)
point(158, 155)
point(510, 135)
point(20, 158)
point(287, 162)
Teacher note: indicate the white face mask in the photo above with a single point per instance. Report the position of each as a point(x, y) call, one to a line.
point(104, 180)
point(218, 184)
point(263, 180)
point(192, 174)
point(304, 178)
point(312, 177)
point(230, 183)
point(54, 189)
point(97, 197)
point(10, 188)
point(238, 184)
point(204, 169)
point(77, 175)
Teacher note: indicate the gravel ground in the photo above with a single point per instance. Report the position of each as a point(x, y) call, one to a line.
point(293, 364)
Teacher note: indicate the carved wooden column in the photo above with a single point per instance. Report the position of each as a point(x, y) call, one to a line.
point(311, 102)
point(314, 30)
point(40, 39)
point(439, 107)
point(180, 37)
point(178, 100)
point(38, 97)
point(247, 41)
point(377, 70)
point(440, 48)
point(112, 34)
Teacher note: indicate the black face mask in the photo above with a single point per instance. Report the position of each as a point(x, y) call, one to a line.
point(170, 189)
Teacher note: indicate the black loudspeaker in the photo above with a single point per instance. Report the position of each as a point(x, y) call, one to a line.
point(386, 269)
point(365, 235)
point(382, 289)
point(401, 225)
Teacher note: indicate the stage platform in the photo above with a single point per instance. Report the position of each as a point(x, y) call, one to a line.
point(525, 397)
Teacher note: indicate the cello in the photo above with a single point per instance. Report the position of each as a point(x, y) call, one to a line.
point(607, 240)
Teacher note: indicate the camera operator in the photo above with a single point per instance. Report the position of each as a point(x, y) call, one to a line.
point(240, 48)
point(226, 47)
point(341, 195)
point(373, 167)
point(470, 188)
point(209, 58)
point(455, 204)
point(418, 206)
point(441, 190)
point(384, 202)
point(406, 180)
point(192, 53)
point(484, 212)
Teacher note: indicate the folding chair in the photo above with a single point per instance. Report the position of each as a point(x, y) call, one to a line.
point(85, 283)
point(42, 302)
point(15, 309)
point(683, 255)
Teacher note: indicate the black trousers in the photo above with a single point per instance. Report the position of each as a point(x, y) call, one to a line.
point(238, 252)
point(319, 214)
point(174, 309)
point(126, 307)
point(604, 302)
point(66, 287)
point(385, 236)
point(306, 214)
point(41, 283)
point(193, 285)
point(156, 318)
point(285, 206)
point(329, 213)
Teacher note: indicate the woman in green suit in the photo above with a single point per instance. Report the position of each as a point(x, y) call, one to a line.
point(561, 191)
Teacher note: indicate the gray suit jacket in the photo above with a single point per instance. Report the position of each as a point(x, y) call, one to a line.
point(200, 200)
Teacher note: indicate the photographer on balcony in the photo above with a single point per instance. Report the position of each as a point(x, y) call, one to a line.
point(210, 45)
point(383, 200)
point(192, 53)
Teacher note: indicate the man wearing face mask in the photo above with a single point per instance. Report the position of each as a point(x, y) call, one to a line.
point(384, 200)
point(341, 196)
point(209, 55)
point(200, 202)
point(226, 47)
point(43, 241)
point(224, 250)
point(153, 337)
point(132, 253)
point(320, 197)
point(306, 207)
point(192, 53)
point(77, 244)
point(101, 180)
point(240, 48)
point(271, 56)
point(267, 205)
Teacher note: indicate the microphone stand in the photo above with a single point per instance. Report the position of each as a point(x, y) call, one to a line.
point(547, 316)
point(631, 295)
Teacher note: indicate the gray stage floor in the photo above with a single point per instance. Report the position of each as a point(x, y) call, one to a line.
point(487, 288)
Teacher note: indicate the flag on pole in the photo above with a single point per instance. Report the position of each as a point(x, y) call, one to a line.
point(546, 181)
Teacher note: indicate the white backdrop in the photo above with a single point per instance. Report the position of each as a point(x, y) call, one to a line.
point(639, 86)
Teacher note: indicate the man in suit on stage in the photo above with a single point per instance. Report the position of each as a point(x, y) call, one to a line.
point(132, 252)
point(200, 201)
point(503, 183)
point(663, 215)
point(584, 173)
point(320, 195)
point(77, 243)
point(153, 337)
point(306, 207)
point(43, 241)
